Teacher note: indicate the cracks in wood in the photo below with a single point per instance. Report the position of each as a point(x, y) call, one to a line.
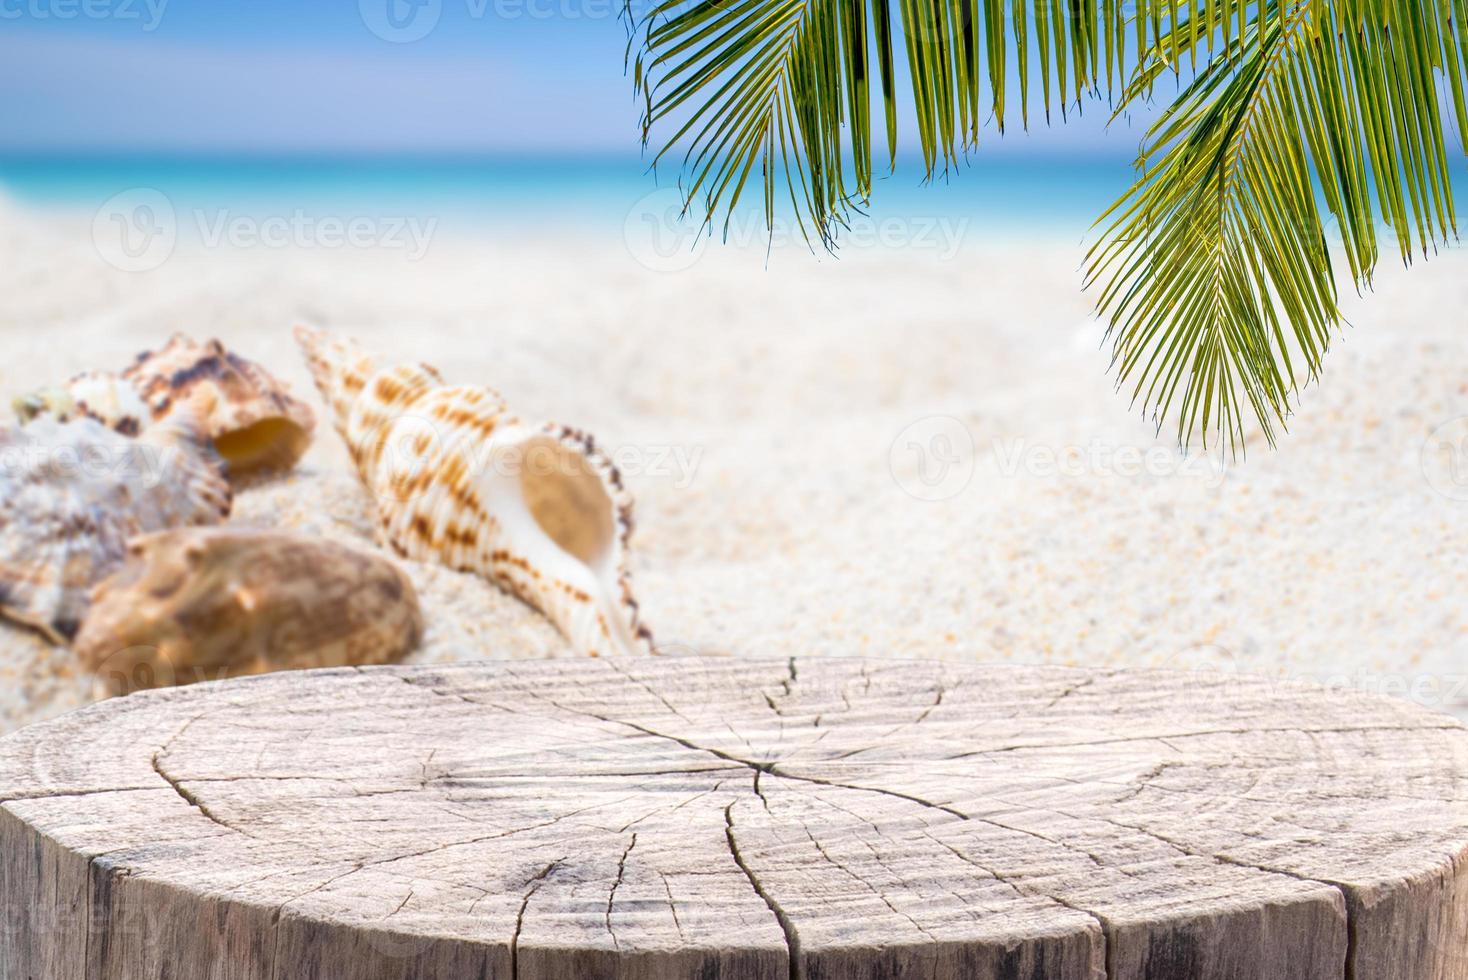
point(1345, 891)
point(1107, 942)
point(1079, 686)
point(937, 703)
point(881, 896)
point(1100, 919)
point(532, 886)
point(1149, 784)
point(771, 768)
point(758, 791)
point(617, 883)
point(673, 908)
point(401, 905)
point(1048, 819)
point(775, 770)
point(74, 793)
point(1131, 739)
point(792, 938)
point(662, 699)
point(359, 866)
point(940, 690)
point(431, 688)
point(191, 799)
point(674, 809)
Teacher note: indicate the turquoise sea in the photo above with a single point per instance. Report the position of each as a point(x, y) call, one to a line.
point(462, 193)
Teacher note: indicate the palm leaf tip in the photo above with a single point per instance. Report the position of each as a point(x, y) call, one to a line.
point(1214, 270)
point(784, 94)
point(1218, 284)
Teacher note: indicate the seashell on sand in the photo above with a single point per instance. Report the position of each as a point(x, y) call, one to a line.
point(72, 494)
point(201, 604)
point(255, 422)
point(458, 479)
point(97, 394)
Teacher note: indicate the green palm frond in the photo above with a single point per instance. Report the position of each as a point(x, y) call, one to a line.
point(782, 90)
point(1215, 270)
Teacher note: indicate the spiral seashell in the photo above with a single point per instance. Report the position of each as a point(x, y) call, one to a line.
point(458, 479)
point(73, 493)
point(198, 604)
point(99, 395)
point(255, 422)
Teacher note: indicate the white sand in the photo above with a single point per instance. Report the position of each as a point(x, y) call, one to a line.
point(1333, 556)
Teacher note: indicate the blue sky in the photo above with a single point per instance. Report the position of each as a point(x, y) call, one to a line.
point(266, 76)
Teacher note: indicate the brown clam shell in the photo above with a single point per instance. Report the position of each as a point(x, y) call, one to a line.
point(209, 603)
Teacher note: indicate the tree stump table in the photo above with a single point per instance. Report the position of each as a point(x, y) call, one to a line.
point(733, 819)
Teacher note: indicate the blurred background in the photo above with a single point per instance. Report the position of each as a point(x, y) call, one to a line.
point(912, 449)
point(473, 113)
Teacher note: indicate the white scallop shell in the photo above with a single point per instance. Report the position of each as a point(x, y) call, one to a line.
point(458, 479)
point(73, 493)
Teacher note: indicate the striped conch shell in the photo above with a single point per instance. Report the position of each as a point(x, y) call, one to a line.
point(458, 479)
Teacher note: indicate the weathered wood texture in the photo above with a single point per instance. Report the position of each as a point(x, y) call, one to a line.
point(731, 819)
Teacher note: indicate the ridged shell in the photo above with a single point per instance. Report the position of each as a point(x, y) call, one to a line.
point(73, 493)
point(252, 417)
point(97, 394)
point(208, 603)
point(255, 422)
point(458, 479)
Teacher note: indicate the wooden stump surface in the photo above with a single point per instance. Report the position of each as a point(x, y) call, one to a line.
point(737, 819)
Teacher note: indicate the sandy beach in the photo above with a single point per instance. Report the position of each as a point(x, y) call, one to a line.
point(903, 453)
